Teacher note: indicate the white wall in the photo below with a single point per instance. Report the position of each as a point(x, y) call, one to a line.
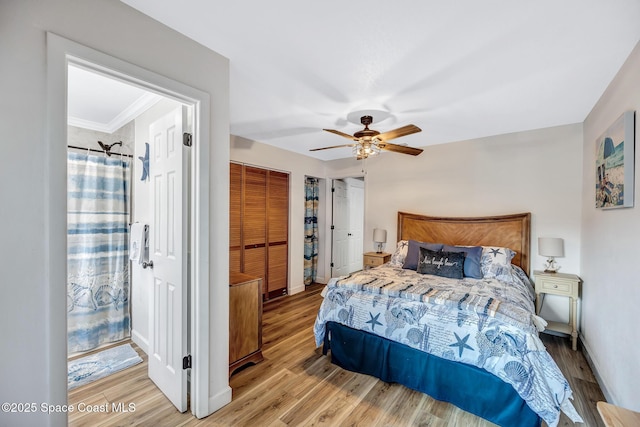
point(33, 347)
point(298, 166)
point(87, 138)
point(611, 291)
point(535, 171)
point(142, 279)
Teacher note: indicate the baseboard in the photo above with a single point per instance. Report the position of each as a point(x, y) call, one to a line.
point(141, 341)
point(594, 369)
point(322, 280)
point(218, 401)
point(296, 290)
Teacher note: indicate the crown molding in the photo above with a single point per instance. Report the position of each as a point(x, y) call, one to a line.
point(139, 106)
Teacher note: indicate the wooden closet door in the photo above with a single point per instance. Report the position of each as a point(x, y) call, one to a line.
point(254, 227)
point(278, 233)
point(235, 218)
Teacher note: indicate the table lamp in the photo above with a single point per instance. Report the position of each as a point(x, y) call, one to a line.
point(379, 238)
point(551, 247)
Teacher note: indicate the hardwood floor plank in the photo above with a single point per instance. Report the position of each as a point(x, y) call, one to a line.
point(333, 411)
point(395, 413)
point(271, 391)
point(373, 406)
point(423, 417)
point(312, 403)
point(296, 385)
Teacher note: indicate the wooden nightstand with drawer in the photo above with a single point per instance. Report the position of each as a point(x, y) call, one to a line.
point(374, 259)
point(562, 284)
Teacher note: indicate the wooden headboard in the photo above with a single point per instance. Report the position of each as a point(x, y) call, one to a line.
point(509, 231)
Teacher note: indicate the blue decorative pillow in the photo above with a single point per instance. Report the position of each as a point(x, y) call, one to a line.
point(472, 259)
point(411, 260)
point(440, 263)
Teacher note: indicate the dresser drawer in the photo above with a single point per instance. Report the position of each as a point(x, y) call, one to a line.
point(556, 286)
point(373, 261)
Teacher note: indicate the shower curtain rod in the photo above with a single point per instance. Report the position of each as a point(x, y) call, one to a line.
point(98, 151)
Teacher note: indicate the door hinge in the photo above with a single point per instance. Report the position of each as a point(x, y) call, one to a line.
point(331, 264)
point(333, 190)
point(333, 227)
point(186, 362)
point(187, 139)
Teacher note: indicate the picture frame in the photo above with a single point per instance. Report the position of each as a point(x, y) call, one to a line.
point(614, 168)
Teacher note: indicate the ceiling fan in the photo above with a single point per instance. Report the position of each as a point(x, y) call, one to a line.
point(369, 142)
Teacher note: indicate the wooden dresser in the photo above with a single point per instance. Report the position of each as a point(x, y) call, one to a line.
point(245, 320)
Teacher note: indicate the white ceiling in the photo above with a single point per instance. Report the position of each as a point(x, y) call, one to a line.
point(458, 70)
point(101, 103)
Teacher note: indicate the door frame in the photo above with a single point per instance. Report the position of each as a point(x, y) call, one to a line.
point(61, 52)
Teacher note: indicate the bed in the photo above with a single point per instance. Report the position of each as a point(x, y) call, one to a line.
point(457, 323)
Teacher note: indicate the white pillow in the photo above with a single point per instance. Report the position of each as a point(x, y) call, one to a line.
point(496, 261)
point(397, 259)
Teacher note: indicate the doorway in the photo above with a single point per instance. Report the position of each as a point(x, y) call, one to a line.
point(116, 293)
point(62, 52)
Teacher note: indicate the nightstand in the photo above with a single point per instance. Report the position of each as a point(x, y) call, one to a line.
point(374, 259)
point(562, 284)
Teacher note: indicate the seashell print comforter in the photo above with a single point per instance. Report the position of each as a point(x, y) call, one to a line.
point(487, 323)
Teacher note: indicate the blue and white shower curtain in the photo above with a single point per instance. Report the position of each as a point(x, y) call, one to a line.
point(311, 230)
point(97, 250)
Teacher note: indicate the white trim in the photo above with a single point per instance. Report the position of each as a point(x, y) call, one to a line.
point(137, 107)
point(586, 351)
point(296, 289)
point(55, 225)
point(140, 340)
point(220, 399)
point(88, 124)
point(60, 52)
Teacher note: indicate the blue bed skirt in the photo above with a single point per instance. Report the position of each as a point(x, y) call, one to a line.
point(467, 387)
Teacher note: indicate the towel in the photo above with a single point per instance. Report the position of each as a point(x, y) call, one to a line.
point(137, 242)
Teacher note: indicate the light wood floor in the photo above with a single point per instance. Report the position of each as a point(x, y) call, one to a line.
point(296, 386)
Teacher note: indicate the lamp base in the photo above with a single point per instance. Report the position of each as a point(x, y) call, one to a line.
point(551, 266)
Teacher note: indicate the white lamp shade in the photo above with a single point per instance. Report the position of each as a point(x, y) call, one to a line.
point(379, 235)
point(550, 246)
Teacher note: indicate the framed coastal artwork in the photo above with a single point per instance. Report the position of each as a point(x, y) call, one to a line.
point(615, 163)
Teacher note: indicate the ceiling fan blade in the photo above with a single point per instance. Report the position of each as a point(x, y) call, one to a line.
point(401, 149)
point(397, 133)
point(337, 132)
point(333, 146)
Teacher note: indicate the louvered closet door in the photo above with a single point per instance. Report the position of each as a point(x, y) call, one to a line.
point(235, 217)
point(278, 233)
point(254, 227)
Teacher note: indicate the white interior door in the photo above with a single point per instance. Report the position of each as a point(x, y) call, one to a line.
point(355, 196)
point(340, 253)
point(168, 251)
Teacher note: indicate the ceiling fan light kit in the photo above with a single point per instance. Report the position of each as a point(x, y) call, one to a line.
point(369, 142)
point(364, 149)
